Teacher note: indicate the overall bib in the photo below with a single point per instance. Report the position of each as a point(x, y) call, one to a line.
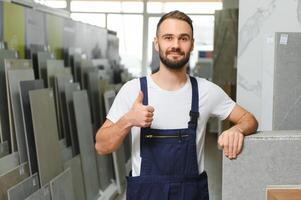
point(169, 167)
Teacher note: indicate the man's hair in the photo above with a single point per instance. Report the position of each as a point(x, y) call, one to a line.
point(175, 15)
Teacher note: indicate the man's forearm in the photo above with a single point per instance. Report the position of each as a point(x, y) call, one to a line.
point(247, 124)
point(109, 137)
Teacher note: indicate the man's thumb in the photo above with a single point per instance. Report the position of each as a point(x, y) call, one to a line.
point(139, 98)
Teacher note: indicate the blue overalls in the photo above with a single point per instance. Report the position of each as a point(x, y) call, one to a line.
point(169, 167)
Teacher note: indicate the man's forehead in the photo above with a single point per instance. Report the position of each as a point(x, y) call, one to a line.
point(174, 27)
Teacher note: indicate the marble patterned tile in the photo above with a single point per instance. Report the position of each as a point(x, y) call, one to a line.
point(287, 82)
point(69, 89)
point(264, 161)
point(25, 87)
point(24, 189)
point(77, 177)
point(45, 134)
point(42, 194)
point(8, 162)
point(61, 187)
point(86, 144)
point(4, 119)
point(14, 78)
point(11, 178)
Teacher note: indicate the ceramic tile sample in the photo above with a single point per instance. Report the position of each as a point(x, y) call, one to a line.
point(69, 89)
point(4, 120)
point(263, 161)
point(86, 144)
point(24, 189)
point(60, 81)
point(11, 178)
point(77, 177)
point(55, 67)
point(42, 194)
point(120, 170)
point(45, 134)
point(61, 186)
point(25, 87)
point(4, 149)
point(13, 64)
point(287, 82)
point(283, 192)
point(14, 77)
point(105, 169)
point(42, 58)
point(8, 162)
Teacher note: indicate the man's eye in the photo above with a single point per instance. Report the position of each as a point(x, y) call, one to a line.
point(168, 38)
point(184, 39)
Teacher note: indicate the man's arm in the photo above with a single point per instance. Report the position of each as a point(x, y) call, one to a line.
point(111, 135)
point(231, 140)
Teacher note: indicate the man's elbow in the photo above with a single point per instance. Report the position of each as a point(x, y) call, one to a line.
point(101, 150)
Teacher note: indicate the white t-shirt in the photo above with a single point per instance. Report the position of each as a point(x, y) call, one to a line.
point(172, 111)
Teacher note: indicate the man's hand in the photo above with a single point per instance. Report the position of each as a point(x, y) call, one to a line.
point(231, 141)
point(140, 115)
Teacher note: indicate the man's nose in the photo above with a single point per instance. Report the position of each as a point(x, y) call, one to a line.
point(175, 43)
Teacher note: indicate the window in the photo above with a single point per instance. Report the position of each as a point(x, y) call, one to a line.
point(53, 3)
point(90, 18)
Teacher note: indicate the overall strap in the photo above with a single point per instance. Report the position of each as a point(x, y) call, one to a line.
point(143, 87)
point(194, 112)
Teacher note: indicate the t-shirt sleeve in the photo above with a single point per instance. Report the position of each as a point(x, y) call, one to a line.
point(221, 104)
point(123, 100)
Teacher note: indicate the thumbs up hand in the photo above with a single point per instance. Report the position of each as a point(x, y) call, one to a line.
point(140, 115)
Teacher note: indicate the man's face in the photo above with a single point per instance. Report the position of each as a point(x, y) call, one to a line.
point(174, 42)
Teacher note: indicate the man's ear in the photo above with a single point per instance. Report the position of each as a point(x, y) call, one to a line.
point(156, 44)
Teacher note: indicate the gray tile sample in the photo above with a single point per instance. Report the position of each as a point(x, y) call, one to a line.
point(42, 194)
point(55, 67)
point(4, 120)
point(45, 134)
point(4, 150)
point(120, 170)
point(13, 64)
point(24, 189)
point(61, 187)
point(14, 78)
point(287, 82)
point(60, 81)
point(268, 158)
point(42, 65)
point(105, 167)
point(69, 89)
point(8, 162)
point(25, 87)
point(77, 177)
point(11, 178)
point(86, 144)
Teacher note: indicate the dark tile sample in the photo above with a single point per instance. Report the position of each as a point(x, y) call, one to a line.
point(14, 78)
point(4, 120)
point(8, 162)
point(60, 81)
point(61, 187)
point(69, 89)
point(25, 87)
point(42, 58)
point(11, 178)
point(45, 134)
point(86, 144)
point(24, 189)
point(77, 177)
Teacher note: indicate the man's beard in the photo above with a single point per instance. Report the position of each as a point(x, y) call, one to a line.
point(174, 64)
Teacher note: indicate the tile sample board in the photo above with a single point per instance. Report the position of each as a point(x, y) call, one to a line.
point(25, 87)
point(4, 120)
point(24, 189)
point(42, 194)
point(287, 82)
point(77, 177)
point(86, 144)
point(8, 162)
point(268, 158)
point(61, 187)
point(11, 178)
point(45, 134)
point(14, 64)
point(69, 89)
point(14, 77)
point(42, 65)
